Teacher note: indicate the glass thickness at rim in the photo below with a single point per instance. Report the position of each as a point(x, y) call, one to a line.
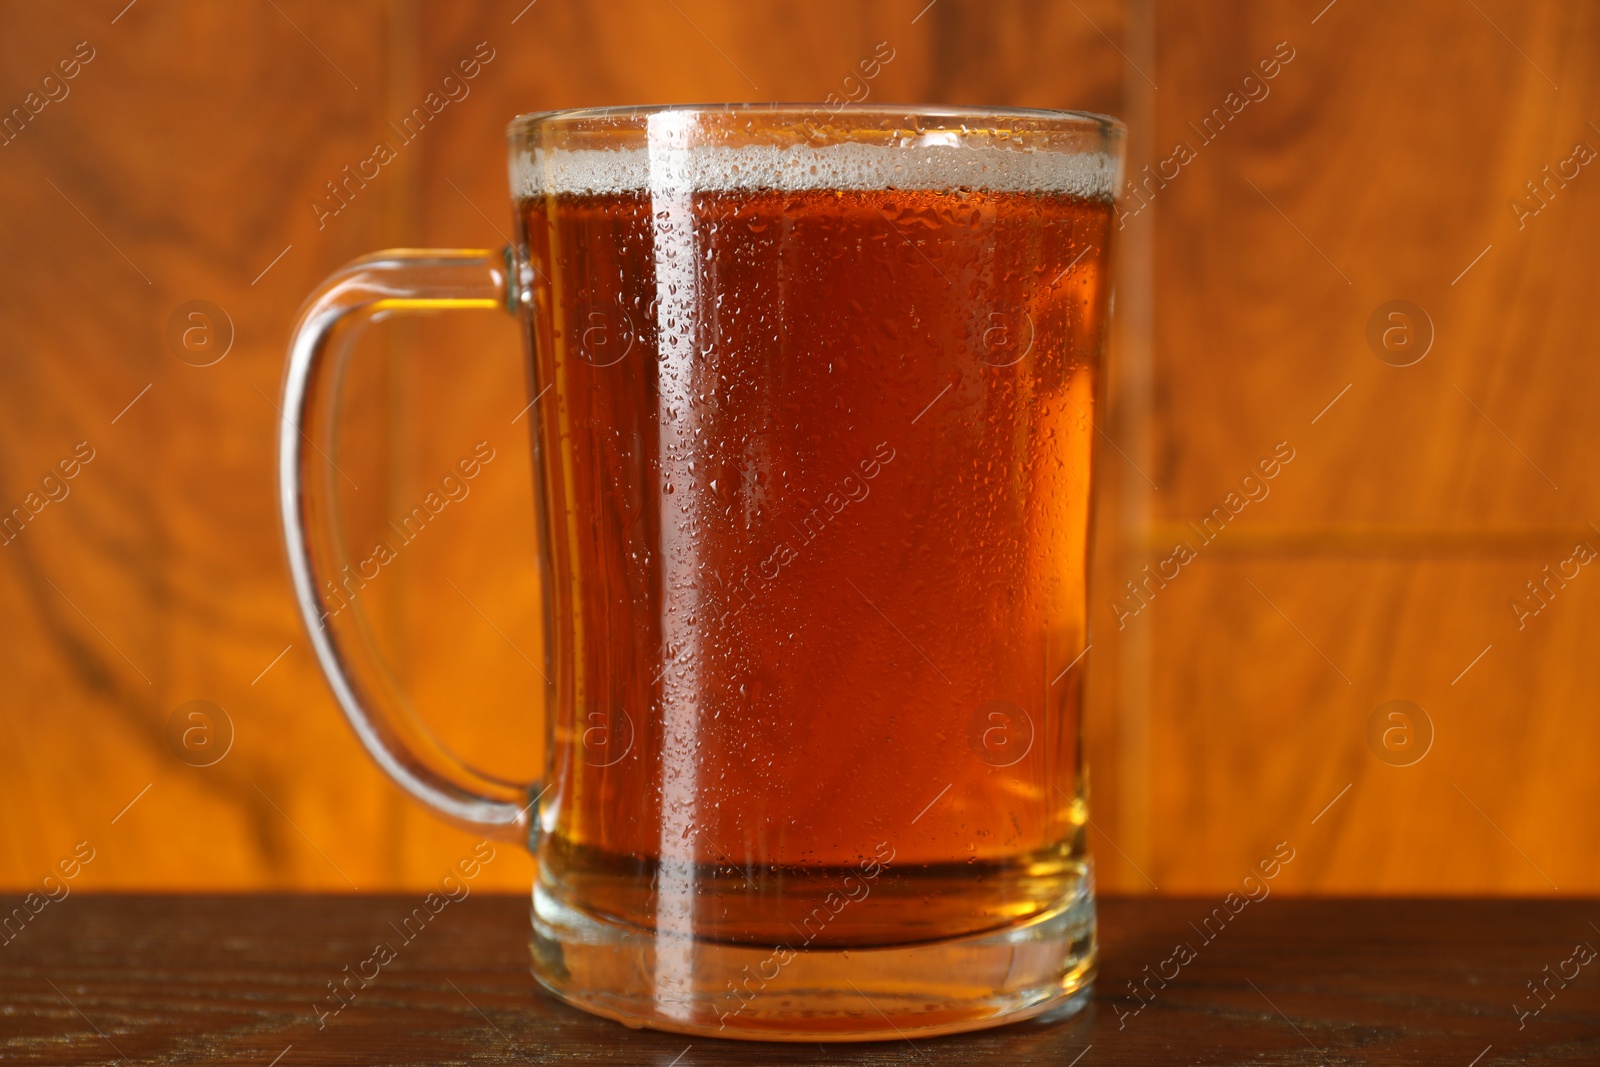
point(849, 115)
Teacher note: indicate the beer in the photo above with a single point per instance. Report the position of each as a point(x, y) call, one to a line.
point(815, 437)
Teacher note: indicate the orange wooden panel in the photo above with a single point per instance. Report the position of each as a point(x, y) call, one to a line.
point(184, 164)
point(171, 173)
point(1380, 163)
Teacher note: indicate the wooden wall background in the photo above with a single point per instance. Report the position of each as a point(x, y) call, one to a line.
point(1229, 714)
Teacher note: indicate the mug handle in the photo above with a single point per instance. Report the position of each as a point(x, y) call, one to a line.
point(373, 287)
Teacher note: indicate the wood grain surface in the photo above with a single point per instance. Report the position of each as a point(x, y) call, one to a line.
point(1384, 161)
point(207, 979)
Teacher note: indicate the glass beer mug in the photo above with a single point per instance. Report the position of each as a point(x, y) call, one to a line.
point(812, 441)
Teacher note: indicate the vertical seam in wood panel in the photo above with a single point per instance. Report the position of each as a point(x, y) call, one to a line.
point(399, 225)
point(1135, 309)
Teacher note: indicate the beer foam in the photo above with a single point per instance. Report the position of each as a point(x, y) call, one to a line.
point(932, 167)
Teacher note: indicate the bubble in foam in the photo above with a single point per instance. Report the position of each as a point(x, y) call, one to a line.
point(799, 168)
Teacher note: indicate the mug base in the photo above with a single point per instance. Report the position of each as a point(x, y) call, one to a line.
point(644, 978)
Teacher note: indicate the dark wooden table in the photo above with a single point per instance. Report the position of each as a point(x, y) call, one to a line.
point(210, 979)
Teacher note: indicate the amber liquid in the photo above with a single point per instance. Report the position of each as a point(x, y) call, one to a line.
point(816, 470)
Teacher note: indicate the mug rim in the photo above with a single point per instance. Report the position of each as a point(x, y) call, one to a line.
point(1107, 125)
